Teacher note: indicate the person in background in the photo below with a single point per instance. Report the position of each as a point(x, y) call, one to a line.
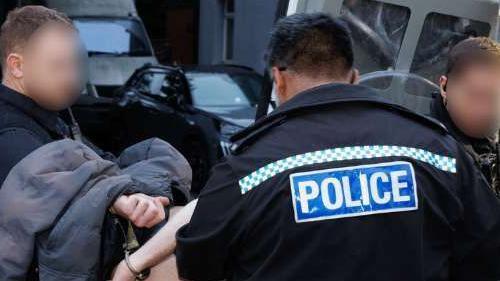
point(469, 103)
point(39, 56)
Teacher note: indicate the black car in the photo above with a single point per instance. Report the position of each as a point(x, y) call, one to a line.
point(196, 110)
point(228, 91)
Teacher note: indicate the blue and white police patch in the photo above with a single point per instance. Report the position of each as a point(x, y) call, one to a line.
point(354, 191)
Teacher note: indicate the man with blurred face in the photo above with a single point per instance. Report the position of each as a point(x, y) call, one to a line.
point(469, 104)
point(39, 58)
point(39, 55)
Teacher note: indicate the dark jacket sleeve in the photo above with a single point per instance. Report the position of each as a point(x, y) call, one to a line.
point(203, 245)
point(476, 239)
point(15, 144)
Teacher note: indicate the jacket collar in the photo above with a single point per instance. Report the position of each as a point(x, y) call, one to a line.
point(327, 94)
point(438, 111)
point(48, 119)
point(317, 96)
point(323, 95)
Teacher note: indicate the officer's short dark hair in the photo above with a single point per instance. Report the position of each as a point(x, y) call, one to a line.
point(22, 23)
point(315, 44)
point(473, 51)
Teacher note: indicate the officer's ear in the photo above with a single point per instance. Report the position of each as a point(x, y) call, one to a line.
point(279, 80)
point(443, 82)
point(14, 65)
point(354, 76)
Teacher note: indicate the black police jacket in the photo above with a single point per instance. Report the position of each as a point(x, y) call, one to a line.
point(485, 152)
point(24, 127)
point(338, 184)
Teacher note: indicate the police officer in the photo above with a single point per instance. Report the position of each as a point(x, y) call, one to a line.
point(469, 103)
point(336, 184)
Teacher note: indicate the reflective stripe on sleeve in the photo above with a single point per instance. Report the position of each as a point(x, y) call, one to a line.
point(444, 163)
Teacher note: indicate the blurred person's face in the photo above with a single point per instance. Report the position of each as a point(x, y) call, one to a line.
point(472, 99)
point(50, 67)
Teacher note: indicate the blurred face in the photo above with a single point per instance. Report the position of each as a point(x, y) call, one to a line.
point(473, 100)
point(50, 67)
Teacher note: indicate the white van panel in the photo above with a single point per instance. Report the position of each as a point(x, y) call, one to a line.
point(76, 8)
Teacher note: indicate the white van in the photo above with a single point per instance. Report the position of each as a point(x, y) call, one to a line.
point(113, 36)
point(401, 46)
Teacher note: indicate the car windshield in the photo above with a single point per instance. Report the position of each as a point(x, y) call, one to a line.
point(107, 36)
point(224, 90)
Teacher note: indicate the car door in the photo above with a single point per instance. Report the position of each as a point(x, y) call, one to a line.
point(150, 108)
point(154, 105)
point(97, 117)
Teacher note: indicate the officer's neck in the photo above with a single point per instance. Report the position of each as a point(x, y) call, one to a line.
point(14, 84)
point(302, 84)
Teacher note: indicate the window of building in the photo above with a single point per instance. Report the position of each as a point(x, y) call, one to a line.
point(228, 30)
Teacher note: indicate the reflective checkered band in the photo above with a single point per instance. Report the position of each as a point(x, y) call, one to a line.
point(249, 182)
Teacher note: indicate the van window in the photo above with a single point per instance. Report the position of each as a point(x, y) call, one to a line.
point(439, 34)
point(377, 32)
point(114, 37)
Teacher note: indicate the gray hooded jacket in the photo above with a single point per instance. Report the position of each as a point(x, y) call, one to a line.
point(54, 203)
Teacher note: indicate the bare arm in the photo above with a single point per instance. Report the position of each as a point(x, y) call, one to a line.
point(159, 247)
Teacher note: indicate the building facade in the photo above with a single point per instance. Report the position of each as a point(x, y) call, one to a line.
point(235, 31)
point(201, 31)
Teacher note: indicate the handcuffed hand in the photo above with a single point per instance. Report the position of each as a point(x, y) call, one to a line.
point(140, 209)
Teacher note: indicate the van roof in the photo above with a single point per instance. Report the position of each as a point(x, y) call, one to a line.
point(95, 8)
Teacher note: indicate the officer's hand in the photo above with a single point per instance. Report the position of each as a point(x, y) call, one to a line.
point(140, 209)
